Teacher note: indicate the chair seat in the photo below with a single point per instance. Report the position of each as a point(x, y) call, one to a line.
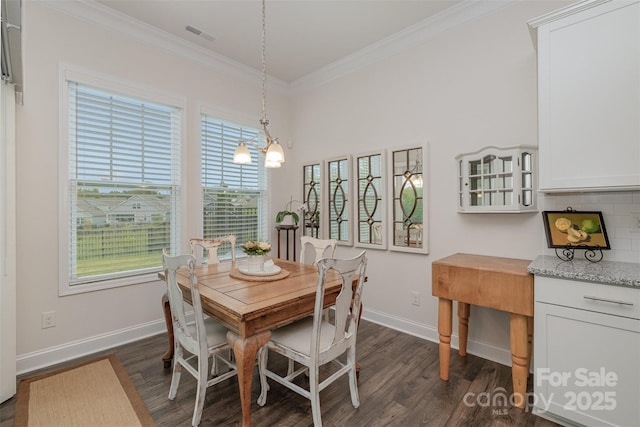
point(297, 335)
point(216, 333)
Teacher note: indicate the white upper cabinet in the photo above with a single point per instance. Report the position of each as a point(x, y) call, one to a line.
point(589, 96)
point(496, 179)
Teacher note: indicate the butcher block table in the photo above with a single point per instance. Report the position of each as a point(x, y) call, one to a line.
point(500, 283)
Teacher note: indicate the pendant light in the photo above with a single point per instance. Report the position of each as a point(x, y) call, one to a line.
point(273, 152)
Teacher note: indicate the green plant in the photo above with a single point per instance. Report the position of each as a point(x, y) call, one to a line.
point(282, 214)
point(288, 211)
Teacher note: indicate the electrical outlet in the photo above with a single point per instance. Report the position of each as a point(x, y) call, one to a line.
point(48, 319)
point(415, 298)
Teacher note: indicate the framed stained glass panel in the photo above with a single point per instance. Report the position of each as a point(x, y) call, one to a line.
point(338, 179)
point(408, 223)
point(311, 197)
point(370, 228)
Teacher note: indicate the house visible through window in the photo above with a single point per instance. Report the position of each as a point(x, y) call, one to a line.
point(123, 183)
point(234, 197)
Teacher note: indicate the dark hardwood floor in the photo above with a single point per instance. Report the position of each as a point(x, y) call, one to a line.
point(399, 385)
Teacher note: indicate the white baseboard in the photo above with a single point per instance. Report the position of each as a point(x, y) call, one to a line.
point(53, 355)
point(486, 351)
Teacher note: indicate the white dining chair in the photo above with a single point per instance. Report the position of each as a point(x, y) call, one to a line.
point(193, 343)
point(211, 247)
point(312, 249)
point(314, 342)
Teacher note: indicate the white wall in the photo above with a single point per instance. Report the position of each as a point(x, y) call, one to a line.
point(472, 86)
point(87, 321)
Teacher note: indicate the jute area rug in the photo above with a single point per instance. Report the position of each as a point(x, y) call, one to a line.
point(94, 393)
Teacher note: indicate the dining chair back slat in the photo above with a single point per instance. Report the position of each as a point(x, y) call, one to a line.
point(211, 247)
point(312, 249)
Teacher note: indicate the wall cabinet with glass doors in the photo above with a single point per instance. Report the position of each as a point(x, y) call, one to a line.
point(496, 179)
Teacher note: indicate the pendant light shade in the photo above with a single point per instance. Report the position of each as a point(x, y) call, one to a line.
point(242, 156)
point(274, 153)
point(272, 164)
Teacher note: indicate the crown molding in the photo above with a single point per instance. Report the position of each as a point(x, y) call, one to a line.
point(559, 14)
point(96, 13)
point(463, 12)
point(408, 38)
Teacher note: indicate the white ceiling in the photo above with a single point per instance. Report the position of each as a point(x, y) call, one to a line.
point(302, 36)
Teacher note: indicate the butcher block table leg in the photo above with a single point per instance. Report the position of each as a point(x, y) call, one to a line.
point(463, 327)
point(444, 330)
point(520, 357)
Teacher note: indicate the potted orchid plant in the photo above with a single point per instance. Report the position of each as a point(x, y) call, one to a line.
point(290, 216)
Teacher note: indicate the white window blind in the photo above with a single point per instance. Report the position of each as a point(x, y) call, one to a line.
point(124, 183)
point(234, 197)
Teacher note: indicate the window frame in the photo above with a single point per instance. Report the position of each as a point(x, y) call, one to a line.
point(126, 88)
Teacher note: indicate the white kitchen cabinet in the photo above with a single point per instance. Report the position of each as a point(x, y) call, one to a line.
point(589, 96)
point(586, 352)
point(496, 179)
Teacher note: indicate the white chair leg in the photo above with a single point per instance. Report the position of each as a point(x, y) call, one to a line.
point(203, 370)
point(177, 371)
point(263, 355)
point(353, 380)
point(314, 391)
point(290, 367)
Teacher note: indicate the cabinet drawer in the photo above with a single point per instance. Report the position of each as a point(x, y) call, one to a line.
point(608, 299)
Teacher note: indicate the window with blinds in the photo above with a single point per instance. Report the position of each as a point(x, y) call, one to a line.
point(123, 183)
point(234, 197)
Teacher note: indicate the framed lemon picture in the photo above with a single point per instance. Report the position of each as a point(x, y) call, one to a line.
point(575, 229)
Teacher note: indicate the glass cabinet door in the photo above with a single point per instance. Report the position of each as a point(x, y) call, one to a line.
point(496, 180)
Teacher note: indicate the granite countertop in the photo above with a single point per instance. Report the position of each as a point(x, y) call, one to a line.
point(605, 272)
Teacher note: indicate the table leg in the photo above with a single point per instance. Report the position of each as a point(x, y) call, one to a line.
point(444, 330)
point(245, 350)
point(519, 358)
point(463, 327)
point(168, 356)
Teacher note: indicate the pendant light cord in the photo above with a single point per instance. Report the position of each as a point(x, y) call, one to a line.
point(264, 120)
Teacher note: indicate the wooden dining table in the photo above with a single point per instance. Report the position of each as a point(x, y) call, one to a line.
point(250, 307)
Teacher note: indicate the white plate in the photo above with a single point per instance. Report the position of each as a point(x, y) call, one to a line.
point(270, 272)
